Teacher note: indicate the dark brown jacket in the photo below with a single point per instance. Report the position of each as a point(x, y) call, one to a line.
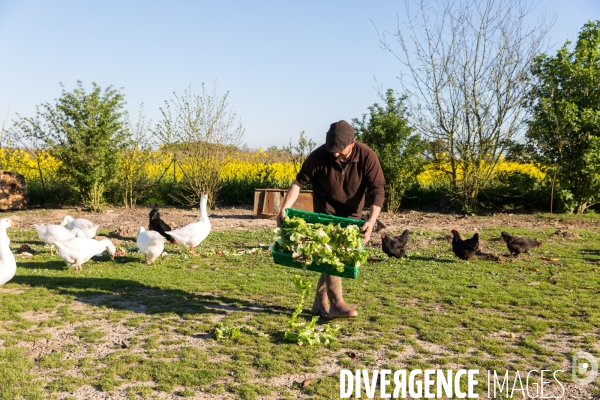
point(340, 190)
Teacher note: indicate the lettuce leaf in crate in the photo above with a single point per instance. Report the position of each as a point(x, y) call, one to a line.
point(321, 244)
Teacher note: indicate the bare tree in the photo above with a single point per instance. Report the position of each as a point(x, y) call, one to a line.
point(298, 153)
point(3, 142)
point(137, 156)
point(202, 131)
point(468, 81)
point(34, 147)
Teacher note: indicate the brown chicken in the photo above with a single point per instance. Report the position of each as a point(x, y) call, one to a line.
point(464, 249)
point(394, 247)
point(517, 245)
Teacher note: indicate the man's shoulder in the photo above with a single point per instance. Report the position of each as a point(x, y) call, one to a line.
point(320, 149)
point(319, 154)
point(364, 150)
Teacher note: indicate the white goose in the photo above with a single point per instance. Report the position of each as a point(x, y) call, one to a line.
point(193, 234)
point(77, 251)
point(150, 243)
point(8, 265)
point(49, 234)
point(87, 226)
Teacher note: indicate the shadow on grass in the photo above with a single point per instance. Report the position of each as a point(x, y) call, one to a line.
point(124, 294)
point(590, 253)
point(128, 259)
point(595, 261)
point(56, 264)
point(114, 235)
point(29, 242)
point(432, 259)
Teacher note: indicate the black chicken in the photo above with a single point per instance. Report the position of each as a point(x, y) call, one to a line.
point(517, 245)
point(158, 225)
point(464, 248)
point(379, 226)
point(394, 247)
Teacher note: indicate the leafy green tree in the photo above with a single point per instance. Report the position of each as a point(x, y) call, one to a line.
point(85, 132)
point(399, 150)
point(565, 126)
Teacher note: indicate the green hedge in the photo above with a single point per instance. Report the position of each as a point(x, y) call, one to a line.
point(511, 191)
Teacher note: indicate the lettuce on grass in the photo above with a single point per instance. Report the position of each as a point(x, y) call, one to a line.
point(223, 332)
point(299, 332)
point(302, 333)
point(321, 244)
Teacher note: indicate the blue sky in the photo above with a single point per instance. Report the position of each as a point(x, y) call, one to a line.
point(288, 66)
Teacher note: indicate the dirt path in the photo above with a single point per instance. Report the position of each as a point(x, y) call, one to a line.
point(115, 218)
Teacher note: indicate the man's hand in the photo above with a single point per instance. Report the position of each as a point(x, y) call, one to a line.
point(290, 199)
point(366, 230)
point(280, 217)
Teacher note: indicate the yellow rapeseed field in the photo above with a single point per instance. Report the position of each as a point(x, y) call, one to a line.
point(244, 167)
point(436, 175)
point(29, 164)
point(257, 168)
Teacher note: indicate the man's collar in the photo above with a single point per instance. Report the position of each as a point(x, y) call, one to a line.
point(354, 153)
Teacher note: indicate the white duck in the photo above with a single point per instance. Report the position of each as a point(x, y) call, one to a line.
point(77, 251)
point(49, 234)
point(87, 226)
point(193, 234)
point(8, 265)
point(150, 243)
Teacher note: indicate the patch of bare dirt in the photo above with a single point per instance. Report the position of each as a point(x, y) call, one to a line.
point(125, 222)
point(470, 224)
point(565, 234)
point(11, 290)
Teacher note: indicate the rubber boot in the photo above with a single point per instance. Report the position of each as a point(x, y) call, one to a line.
point(337, 306)
point(321, 303)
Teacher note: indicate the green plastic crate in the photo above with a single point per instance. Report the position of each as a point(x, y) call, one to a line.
point(282, 258)
point(313, 218)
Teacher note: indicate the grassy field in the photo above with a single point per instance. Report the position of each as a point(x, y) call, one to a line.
point(121, 329)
